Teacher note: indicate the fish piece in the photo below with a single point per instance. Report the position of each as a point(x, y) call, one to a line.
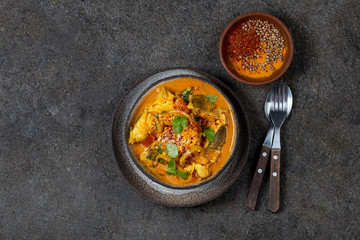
point(201, 170)
point(190, 136)
point(145, 125)
point(167, 118)
point(164, 101)
point(184, 141)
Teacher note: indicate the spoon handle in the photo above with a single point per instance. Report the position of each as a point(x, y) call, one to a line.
point(253, 193)
point(274, 191)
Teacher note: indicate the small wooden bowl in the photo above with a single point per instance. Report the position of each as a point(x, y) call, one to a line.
point(228, 65)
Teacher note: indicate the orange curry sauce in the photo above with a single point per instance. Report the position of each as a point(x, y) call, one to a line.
point(201, 87)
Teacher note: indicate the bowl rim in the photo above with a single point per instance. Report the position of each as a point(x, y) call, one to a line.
point(159, 193)
point(254, 15)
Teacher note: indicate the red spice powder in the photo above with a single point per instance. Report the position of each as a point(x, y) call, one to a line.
point(243, 43)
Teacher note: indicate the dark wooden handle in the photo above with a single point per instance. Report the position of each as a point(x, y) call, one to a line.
point(274, 191)
point(257, 179)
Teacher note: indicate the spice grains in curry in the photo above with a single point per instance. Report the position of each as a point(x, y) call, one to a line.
point(183, 131)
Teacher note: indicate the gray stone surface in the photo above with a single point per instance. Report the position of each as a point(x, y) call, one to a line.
point(64, 66)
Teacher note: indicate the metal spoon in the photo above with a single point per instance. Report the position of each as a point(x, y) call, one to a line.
point(280, 107)
point(253, 193)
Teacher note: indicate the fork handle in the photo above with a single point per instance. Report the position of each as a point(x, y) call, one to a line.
point(257, 179)
point(274, 191)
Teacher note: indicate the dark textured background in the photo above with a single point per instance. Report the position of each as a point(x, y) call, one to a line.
point(64, 66)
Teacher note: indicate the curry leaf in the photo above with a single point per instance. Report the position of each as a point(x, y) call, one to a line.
point(179, 123)
point(212, 99)
point(210, 134)
point(219, 138)
point(172, 150)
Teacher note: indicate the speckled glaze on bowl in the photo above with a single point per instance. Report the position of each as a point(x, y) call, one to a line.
point(229, 67)
point(150, 187)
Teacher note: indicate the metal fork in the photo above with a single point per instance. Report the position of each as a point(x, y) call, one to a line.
point(282, 101)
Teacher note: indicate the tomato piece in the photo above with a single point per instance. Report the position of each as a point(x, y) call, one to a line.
point(180, 104)
point(148, 141)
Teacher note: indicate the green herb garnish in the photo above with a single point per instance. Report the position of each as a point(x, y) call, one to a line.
point(159, 150)
point(209, 133)
point(173, 171)
point(179, 123)
point(171, 167)
point(172, 150)
point(183, 175)
point(186, 94)
point(212, 99)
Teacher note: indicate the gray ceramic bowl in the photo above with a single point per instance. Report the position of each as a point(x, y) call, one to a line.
point(150, 187)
